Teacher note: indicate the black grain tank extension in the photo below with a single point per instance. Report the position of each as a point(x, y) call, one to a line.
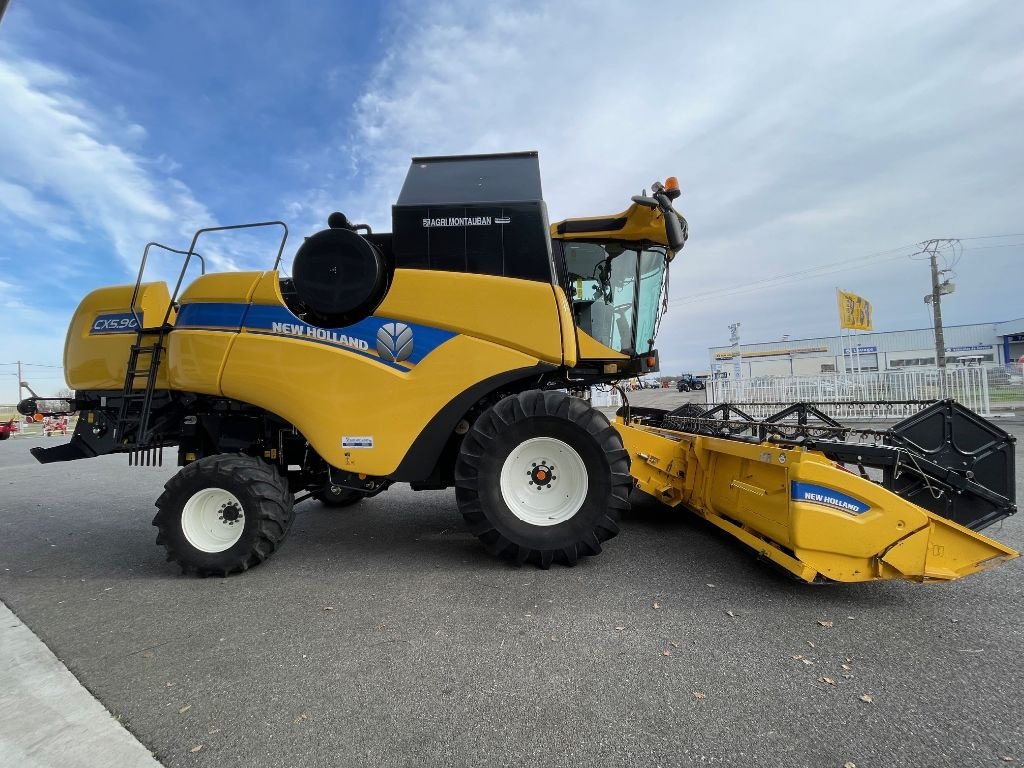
point(482, 214)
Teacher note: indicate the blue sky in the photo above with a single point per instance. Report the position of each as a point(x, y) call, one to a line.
point(804, 134)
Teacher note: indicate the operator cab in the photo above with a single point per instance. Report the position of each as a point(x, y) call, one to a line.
point(614, 271)
point(616, 292)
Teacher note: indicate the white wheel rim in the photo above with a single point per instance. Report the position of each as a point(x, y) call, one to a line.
point(213, 520)
point(544, 481)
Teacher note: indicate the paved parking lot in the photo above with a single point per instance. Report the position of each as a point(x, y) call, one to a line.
point(384, 635)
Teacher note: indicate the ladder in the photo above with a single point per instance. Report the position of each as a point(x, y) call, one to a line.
point(131, 430)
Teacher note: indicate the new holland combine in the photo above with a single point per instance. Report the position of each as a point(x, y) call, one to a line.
point(450, 352)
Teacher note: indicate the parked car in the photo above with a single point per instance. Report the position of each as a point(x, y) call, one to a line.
point(8, 428)
point(688, 382)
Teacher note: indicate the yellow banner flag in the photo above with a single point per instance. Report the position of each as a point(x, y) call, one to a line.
point(854, 311)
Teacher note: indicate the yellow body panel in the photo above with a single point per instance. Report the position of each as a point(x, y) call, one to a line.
point(327, 390)
point(745, 489)
point(197, 355)
point(568, 325)
point(519, 314)
point(97, 357)
point(592, 349)
point(221, 286)
point(330, 389)
point(197, 360)
point(642, 224)
point(330, 395)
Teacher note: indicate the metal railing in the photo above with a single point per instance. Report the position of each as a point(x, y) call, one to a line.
point(876, 394)
point(1006, 385)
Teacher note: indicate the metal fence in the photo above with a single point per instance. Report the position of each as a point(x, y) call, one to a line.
point(1006, 384)
point(878, 394)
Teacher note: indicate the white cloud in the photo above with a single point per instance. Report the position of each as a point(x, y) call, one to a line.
point(801, 133)
point(52, 143)
point(63, 179)
point(24, 205)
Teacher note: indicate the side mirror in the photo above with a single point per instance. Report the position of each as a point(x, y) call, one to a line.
point(647, 202)
point(674, 231)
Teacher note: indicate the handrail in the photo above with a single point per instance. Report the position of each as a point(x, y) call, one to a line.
point(195, 238)
point(142, 269)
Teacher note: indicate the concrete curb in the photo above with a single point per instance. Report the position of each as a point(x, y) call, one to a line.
point(48, 718)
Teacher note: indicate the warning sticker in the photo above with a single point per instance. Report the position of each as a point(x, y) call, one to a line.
point(357, 442)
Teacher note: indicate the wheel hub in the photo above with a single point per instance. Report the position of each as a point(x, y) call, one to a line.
point(212, 520)
point(230, 513)
point(542, 475)
point(555, 484)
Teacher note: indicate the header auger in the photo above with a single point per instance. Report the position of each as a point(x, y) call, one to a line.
point(446, 353)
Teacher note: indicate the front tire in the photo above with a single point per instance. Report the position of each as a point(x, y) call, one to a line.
point(542, 477)
point(223, 514)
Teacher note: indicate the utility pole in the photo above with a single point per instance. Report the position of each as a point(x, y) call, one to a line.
point(19, 369)
point(931, 249)
point(734, 338)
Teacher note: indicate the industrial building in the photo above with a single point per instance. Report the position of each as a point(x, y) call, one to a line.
point(990, 344)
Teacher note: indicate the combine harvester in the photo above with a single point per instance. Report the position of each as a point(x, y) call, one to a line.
point(449, 353)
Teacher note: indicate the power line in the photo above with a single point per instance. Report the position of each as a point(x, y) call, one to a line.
point(989, 237)
point(823, 270)
point(984, 247)
point(820, 270)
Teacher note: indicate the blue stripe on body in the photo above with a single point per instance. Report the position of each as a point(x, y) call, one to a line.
point(360, 338)
point(214, 315)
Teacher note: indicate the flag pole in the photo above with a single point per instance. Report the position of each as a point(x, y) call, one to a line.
point(842, 340)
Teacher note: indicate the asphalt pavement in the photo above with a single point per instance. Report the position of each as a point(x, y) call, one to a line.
point(384, 635)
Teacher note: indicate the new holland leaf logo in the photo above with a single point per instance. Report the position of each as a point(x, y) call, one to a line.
point(394, 342)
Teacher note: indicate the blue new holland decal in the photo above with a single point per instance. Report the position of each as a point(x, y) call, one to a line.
point(395, 344)
point(828, 497)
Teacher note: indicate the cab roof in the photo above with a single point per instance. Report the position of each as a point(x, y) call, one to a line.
point(635, 224)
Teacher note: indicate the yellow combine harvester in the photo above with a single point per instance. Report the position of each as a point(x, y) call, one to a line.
point(449, 352)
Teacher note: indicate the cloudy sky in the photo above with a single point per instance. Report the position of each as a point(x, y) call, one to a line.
point(816, 143)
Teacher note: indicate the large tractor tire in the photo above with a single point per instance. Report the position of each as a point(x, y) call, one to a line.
point(542, 477)
point(223, 514)
point(336, 496)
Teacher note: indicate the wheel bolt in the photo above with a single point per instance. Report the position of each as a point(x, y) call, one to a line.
point(548, 485)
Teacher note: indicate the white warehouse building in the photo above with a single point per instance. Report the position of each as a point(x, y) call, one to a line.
point(990, 344)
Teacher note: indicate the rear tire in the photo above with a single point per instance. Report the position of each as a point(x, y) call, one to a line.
point(542, 477)
point(223, 514)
